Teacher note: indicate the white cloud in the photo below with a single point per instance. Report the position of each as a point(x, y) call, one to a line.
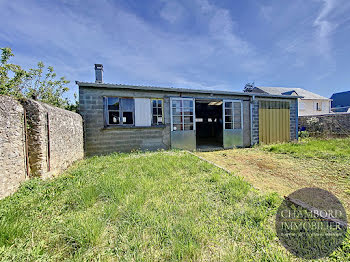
point(74, 36)
point(266, 12)
point(172, 11)
point(324, 28)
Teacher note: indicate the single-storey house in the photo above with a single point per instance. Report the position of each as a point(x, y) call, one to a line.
point(341, 102)
point(128, 117)
point(309, 104)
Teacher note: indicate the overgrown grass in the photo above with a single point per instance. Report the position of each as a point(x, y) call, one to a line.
point(329, 149)
point(142, 206)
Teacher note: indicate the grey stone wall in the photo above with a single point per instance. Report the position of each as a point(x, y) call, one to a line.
point(55, 138)
point(326, 125)
point(12, 146)
point(54, 141)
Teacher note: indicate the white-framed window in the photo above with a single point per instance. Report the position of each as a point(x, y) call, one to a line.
point(157, 111)
point(318, 106)
point(233, 114)
point(182, 114)
point(119, 111)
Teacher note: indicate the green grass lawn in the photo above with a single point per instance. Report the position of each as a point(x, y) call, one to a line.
point(141, 206)
point(328, 149)
point(157, 206)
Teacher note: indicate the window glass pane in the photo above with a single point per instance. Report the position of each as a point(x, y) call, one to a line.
point(228, 119)
point(113, 103)
point(113, 118)
point(160, 120)
point(159, 103)
point(128, 118)
point(188, 111)
point(160, 111)
point(188, 119)
point(127, 104)
point(228, 125)
point(177, 103)
point(154, 120)
point(228, 104)
point(154, 103)
point(188, 103)
point(237, 116)
point(177, 111)
point(189, 127)
point(177, 127)
point(154, 111)
point(177, 119)
point(228, 112)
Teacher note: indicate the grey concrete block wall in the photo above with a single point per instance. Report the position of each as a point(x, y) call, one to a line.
point(246, 124)
point(293, 120)
point(12, 146)
point(255, 122)
point(103, 140)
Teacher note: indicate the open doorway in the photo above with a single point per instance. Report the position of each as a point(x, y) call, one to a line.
point(209, 124)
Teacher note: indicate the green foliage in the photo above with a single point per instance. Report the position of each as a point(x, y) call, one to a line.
point(12, 77)
point(43, 86)
point(303, 134)
point(40, 83)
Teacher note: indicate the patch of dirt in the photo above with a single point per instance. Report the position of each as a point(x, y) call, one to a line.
point(270, 172)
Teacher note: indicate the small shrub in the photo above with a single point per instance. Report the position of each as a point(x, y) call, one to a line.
point(303, 134)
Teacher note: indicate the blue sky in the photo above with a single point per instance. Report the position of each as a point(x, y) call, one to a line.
point(192, 44)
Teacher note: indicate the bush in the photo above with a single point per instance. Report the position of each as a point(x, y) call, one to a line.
point(303, 134)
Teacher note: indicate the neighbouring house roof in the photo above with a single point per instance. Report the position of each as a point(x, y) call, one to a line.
point(179, 90)
point(291, 91)
point(341, 99)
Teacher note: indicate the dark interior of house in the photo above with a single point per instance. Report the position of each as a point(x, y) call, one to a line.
point(208, 123)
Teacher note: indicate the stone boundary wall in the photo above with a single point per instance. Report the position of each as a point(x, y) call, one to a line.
point(12, 146)
point(337, 125)
point(53, 140)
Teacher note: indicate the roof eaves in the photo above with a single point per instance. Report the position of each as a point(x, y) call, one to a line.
point(180, 90)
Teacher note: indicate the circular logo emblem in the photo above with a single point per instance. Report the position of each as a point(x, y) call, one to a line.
point(311, 223)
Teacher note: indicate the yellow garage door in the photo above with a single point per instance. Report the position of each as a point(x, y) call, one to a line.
point(274, 122)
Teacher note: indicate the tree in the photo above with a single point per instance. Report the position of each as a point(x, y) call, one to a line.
point(45, 87)
point(12, 76)
point(248, 87)
point(39, 83)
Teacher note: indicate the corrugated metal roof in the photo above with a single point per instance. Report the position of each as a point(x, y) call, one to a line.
point(180, 90)
point(287, 90)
